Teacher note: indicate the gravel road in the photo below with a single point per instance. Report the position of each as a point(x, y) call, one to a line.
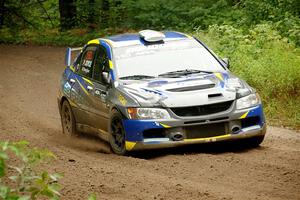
point(29, 79)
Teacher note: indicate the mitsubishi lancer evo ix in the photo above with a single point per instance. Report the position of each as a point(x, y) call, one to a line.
point(156, 90)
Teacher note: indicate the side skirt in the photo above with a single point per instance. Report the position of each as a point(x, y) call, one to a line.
point(91, 130)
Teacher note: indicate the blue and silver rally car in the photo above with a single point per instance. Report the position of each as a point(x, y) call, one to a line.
point(155, 90)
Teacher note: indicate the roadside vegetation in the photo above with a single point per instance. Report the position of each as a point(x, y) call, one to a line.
point(268, 62)
point(22, 176)
point(261, 37)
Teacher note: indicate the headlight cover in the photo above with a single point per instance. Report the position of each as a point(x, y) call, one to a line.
point(148, 113)
point(248, 101)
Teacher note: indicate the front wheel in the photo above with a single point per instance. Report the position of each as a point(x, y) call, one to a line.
point(117, 134)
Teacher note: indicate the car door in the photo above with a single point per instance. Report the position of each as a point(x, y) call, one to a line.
point(99, 91)
point(81, 91)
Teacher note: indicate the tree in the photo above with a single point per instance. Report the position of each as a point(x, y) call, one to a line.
point(91, 14)
point(105, 13)
point(67, 11)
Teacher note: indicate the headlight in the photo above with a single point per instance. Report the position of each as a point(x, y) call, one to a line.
point(248, 101)
point(148, 113)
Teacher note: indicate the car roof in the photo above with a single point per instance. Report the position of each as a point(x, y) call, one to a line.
point(130, 39)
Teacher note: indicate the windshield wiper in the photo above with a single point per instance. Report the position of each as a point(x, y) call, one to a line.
point(136, 77)
point(184, 72)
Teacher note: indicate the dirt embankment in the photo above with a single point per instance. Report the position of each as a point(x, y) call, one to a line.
point(29, 80)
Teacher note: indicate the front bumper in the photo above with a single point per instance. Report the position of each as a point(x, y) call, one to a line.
point(157, 143)
point(137, 130)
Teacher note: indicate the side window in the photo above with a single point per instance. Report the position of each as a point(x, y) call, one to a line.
point(86, 64)
point(77, 60)
point(101, 64)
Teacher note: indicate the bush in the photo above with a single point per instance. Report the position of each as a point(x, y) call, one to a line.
point(20, 174)
point(21, 179)
point(267, 61)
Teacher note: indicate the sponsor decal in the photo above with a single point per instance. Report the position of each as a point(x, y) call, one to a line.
point(87, 63)
point(122, 100)
point(85, 70)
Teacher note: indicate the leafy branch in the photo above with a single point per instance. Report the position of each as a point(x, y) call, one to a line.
point(21, 180)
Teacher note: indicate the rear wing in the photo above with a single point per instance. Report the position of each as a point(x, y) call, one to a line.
point(69, 57)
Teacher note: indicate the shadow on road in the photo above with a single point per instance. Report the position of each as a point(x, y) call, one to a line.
point(92, 143)
point(209, 148)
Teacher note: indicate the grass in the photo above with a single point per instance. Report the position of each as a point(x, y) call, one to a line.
point(259, 55)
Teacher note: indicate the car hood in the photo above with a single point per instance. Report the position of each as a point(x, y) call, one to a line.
point(184, 91)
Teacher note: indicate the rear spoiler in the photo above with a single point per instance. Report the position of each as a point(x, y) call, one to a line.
point(68, 56)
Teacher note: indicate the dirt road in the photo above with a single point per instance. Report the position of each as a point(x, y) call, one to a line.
point(29, 79)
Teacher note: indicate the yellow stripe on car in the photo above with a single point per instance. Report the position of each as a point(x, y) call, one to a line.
point(129, 145)
point(219, 76)
point(188, 36)
point(244, 115)
point(95, 41)
point(73, 104)
point(122, 100)
point(72, 68)
point(208, 139)
point(110, 64)
point(82, 87)
point(87, 80)
point(165, 125)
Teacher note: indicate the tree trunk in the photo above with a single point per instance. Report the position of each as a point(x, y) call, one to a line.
point(2, 13)
point(105, 13)
point(67, 11)
point(91, 14)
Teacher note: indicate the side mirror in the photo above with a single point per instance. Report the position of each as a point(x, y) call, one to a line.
point(226, 62)
point(106, 77)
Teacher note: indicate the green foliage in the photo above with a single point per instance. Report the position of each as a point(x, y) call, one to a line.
point(262, 37)
point(20, 174)
point(37, 14)
point(157, 14)
point(21, 179)
point(92, 197)
point(267, 62)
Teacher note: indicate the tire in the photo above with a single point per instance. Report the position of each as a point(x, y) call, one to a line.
point(254, 141)
point(67, 119)
point(117, 134)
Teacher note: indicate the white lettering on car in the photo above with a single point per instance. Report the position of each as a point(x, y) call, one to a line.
point(87, 63)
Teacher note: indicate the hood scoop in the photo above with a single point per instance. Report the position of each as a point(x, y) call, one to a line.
point(215, 95)
point(192, 88)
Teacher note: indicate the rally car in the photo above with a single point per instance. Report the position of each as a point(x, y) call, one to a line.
point(155, 90)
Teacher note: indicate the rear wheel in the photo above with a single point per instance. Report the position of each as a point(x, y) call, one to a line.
point(117, 134)
point(67, 119)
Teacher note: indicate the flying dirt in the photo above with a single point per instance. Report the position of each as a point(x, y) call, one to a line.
point(29, 79)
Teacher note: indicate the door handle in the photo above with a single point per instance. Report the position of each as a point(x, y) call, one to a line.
point(89, 88)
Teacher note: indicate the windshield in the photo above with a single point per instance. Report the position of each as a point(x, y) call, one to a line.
point(158, 59)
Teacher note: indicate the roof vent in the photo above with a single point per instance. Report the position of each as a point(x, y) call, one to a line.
point(152, 36)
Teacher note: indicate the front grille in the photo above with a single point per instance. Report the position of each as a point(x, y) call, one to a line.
point(206, 130)
point(202, 110)
point(154, 133)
